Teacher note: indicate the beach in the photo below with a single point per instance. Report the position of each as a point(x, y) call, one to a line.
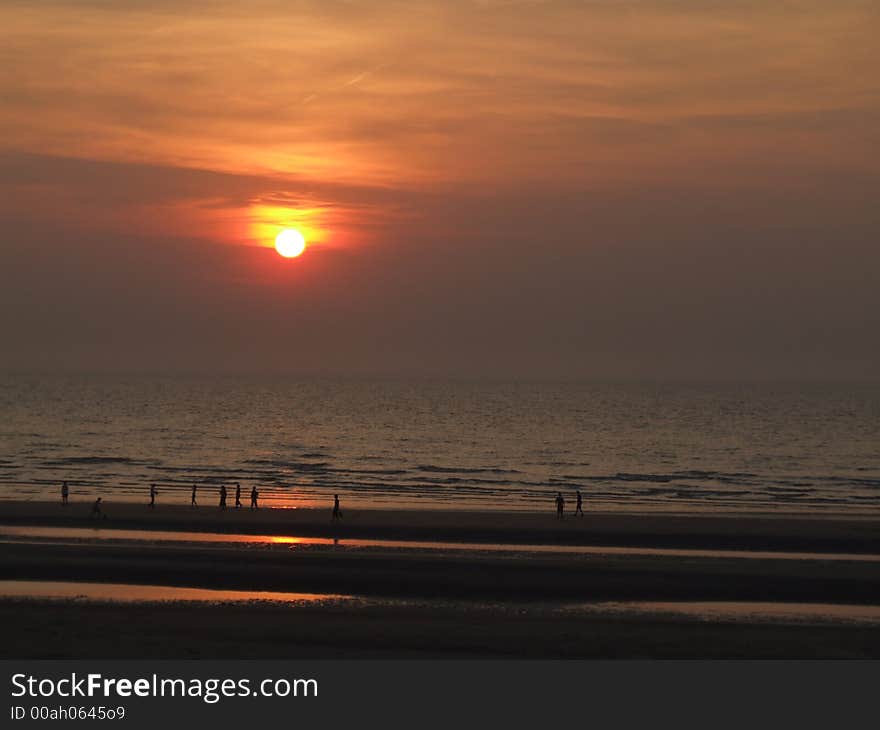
point(71, 629)
point(438, 583)
point(756, 531)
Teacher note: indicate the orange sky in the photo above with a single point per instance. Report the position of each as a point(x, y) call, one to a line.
point(421, 132)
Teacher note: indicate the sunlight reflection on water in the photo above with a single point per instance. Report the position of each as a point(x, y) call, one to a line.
point(159, 536)
point(124, 592)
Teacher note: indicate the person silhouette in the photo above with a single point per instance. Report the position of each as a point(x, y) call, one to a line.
point(193, 502)
point(153, 493)
point(222, 496)
point(337, 513)
point(560, 506)
point(64, 492)
point(579, 505)
point(255, 495)
point(96, 509)
point(237, 495)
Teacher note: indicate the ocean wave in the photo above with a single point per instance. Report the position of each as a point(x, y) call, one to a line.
point(464, 470)
point(367, 472)
point(292, 465)
point(96, 460)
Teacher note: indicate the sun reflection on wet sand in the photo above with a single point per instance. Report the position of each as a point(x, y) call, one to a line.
point(108, 534)
point(19, 534)
point(708, 611)
point(125, 592)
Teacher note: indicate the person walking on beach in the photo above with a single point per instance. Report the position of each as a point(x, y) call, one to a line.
point(255, 495)
point(222, 496)
point(153, 493)
point(64, 492)
point(237, 495)
point(193, 502)
point(96, 509)
point(560, 506)
point(579, 505)
point(337, 513)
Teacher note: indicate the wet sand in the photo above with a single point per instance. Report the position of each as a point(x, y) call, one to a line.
point(447, 574)
point(69, 629)
point(742, 532)
point(519, 585)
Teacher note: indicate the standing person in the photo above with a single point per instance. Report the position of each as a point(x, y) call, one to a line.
point(255, 495)
point(153, 493)
point(337, 514)
point(222, 496)
point(579, 506)
point(237, 495)
point(64, 492)
point(193, 502)
point(560, 506)
point(96, 508)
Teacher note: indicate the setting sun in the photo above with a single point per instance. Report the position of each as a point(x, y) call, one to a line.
point(290, 243)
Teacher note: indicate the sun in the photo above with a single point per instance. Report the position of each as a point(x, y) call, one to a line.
point(290, 243)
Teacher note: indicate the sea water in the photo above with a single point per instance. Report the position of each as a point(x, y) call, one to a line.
point(682, 447)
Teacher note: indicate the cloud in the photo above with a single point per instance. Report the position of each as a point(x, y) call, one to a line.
point(576, 188)
point(211, 86)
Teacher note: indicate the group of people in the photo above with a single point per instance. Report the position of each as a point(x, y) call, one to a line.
point(154, 492)
point(96, 505)
point(255, 496)
point(560, 505)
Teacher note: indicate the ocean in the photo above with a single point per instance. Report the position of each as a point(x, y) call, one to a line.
point(629, 447)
